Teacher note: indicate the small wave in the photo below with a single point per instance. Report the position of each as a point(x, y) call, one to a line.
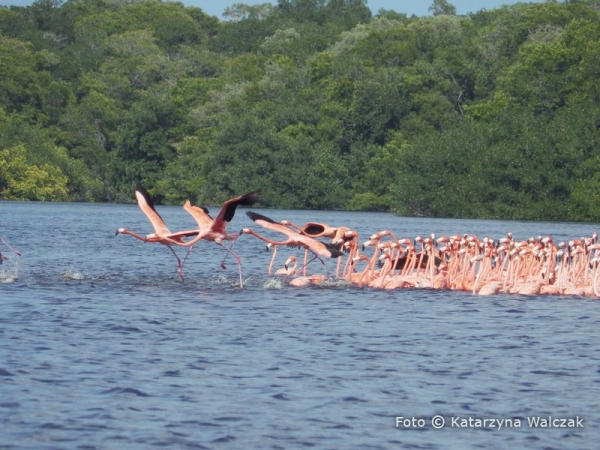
point(219, 279)
point(9, 274)
point(9, 405)
point(72, 274)
point(133, 391)
point(122, 329)
point(227, 438)
point(7, 279)
point(272, 283)
point(335, 283)
point(354, 399)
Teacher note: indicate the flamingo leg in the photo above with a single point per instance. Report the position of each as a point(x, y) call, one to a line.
point(238, 259)
point(270, 269)
point(337, 266)
point(179, 264)
point(306, 263)
point(186, 256)
point(229, 251)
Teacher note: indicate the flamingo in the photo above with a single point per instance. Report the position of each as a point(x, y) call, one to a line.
point(215, 230)
point(16, 252)
point(162, 234)
point(339, 235)
point(350, 245)
point(291, 269)
point(294, 239)
point(357, 278)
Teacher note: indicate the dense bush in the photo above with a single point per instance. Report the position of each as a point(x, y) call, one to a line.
point(318, 103)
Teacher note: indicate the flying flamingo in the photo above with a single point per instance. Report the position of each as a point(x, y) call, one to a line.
point(312, 229)
point(294, 239)
point(16, 252)
point(161, 234)
point(339, 235)
point(215, 230)
point(2, 257)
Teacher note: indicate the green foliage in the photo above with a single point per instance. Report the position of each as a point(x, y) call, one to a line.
point(20, 180)
point(439, 7)
point(315, 102)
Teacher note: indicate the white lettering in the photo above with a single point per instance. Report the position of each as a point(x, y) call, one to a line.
point(476, 422)
point(555, 422)
point(409, 422)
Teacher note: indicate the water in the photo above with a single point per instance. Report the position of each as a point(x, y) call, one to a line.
point(104, 347)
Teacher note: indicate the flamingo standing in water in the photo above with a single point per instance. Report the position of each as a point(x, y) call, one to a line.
point(291, 265)
point(215, 230)
point(294, 239)
point(162, 234)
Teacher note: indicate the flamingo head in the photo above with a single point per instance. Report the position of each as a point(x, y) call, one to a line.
point(290, 260)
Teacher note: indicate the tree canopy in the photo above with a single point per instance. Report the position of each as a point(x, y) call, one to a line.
point(319, 103)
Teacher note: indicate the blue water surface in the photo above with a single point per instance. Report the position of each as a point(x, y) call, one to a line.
point(104, 347)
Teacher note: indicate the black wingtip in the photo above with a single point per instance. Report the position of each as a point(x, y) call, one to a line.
point(334, 250)
point(255, 216)
point(203, 208)
point(139, 188)
point(250, 198)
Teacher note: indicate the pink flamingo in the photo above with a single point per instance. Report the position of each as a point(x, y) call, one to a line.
point(4, 258)
point(215, 230)
point(294, 239)
point(162, 234)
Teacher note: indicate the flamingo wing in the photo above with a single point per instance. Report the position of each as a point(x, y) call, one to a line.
point(314, 229)
point(179, 235)
point(200, 215)
point(315, 246)
point(147, 206)
point(228, 209)
point(270, 224)
point(325, 250)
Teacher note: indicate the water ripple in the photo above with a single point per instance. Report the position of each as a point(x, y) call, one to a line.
point(122, 354)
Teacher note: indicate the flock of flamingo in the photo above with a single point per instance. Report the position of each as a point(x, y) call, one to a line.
point(481, 266)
